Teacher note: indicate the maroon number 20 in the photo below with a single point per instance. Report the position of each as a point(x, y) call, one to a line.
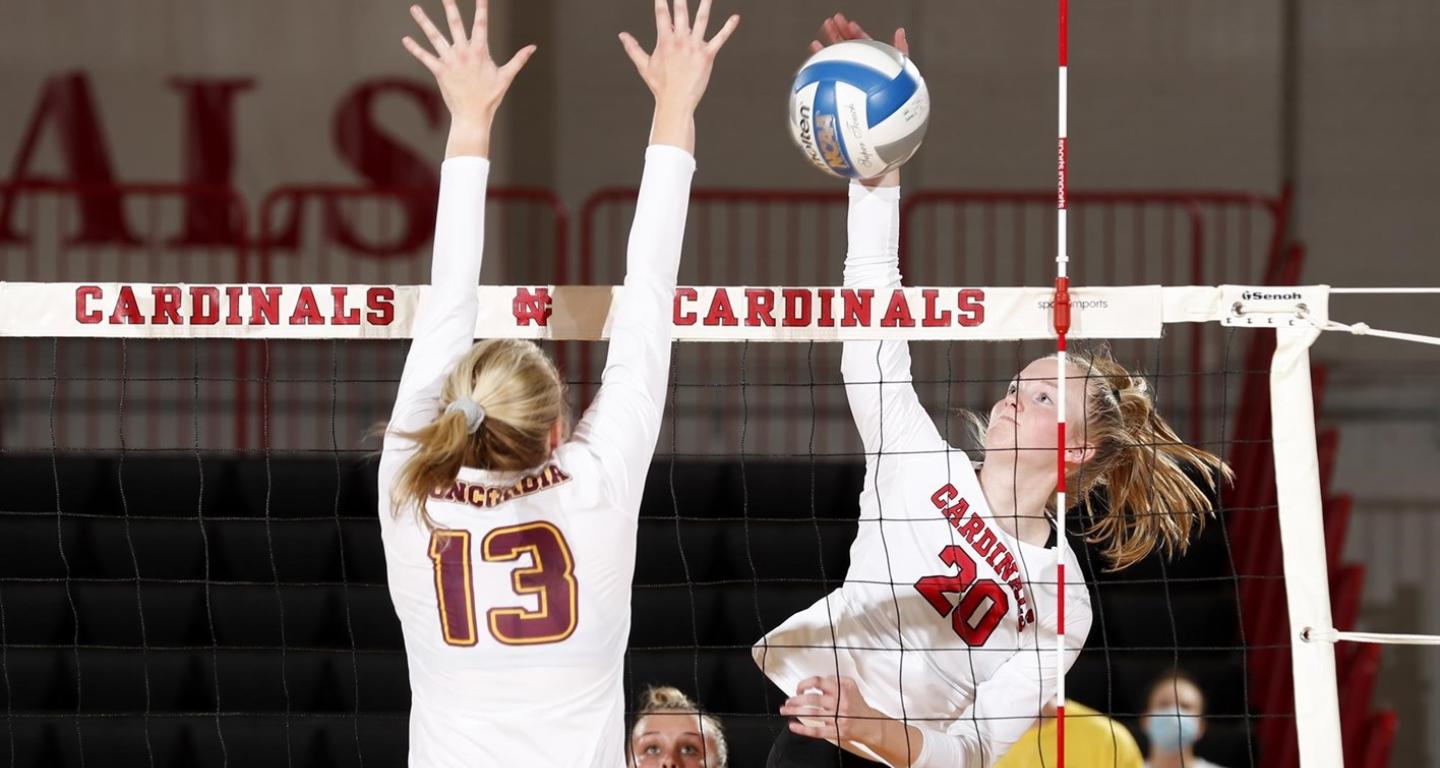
point(974, 631)
point(550, 576)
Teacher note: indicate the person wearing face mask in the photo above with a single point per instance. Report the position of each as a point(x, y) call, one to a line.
point(670, 731)
point(1174, 720)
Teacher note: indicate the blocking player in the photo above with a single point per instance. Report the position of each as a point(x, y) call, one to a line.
point(510, 545)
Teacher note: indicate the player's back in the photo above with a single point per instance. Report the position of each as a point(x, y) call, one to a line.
point(516, 611)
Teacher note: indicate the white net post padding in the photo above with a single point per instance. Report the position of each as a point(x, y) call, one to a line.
point(1302, 542)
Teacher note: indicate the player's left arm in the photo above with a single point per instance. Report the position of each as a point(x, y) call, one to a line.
point(472, 86)
point(623, 423)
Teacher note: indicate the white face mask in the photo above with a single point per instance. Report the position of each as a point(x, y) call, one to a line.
point(1171, 731)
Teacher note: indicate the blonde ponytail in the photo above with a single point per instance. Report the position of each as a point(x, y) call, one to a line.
point(1152, 495)
point(520, 392)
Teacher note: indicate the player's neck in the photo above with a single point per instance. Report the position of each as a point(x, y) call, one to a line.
point(1017, 501)
point(1185, 759)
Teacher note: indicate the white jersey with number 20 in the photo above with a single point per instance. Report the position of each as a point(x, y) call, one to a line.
point(945, 620)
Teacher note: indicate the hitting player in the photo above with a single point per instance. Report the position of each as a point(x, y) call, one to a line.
point(938, 648)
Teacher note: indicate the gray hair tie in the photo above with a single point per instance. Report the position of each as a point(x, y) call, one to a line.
point(474, 413)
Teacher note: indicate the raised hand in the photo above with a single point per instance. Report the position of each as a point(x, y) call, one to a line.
point(678, 70)
point(837, 29)
point(469, 80)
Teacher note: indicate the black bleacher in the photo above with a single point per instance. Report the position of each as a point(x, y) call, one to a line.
point(288, 551)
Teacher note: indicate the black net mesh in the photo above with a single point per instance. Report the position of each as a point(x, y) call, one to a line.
point(190, 564)
point(169, 598)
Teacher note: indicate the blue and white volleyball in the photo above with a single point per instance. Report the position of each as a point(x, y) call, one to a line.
point(858, 109)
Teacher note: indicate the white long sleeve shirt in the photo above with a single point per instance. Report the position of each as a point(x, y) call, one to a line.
point(516, 609)
point(944, 620)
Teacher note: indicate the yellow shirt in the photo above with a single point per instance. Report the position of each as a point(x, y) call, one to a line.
point(1091, 741)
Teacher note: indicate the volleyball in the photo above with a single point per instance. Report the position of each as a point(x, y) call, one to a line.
point(858, 109)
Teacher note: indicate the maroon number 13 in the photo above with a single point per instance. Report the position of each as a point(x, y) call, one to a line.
point(550, 576)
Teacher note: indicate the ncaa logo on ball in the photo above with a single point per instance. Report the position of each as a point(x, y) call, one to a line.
point(807, 141)
point(829, 143)
point(858, 109)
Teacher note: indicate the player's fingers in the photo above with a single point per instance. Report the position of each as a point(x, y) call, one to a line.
point(816, 47)
point(663, 25)
point(431, 63)
point(813, 731)
point(797, 710)
point(517, 62)
point(702, 19)
point(634, 51)
point(815, 702)
point(902, 42)
point(480, 30)
point(682, 17)
point(457, 25)
point(436, 39)
point(718, 41)
point(807, 684)
point(856, 31)
point(830, 32)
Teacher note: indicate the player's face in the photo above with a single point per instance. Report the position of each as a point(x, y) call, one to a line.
point(1025, 416)
point(671, 741)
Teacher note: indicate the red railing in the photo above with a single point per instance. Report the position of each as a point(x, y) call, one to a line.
point(378, 233)
point(61, 232)
point(752, 237)
point(367, 235)
point(136, 232)
point(950, 237)
point(1117, 238)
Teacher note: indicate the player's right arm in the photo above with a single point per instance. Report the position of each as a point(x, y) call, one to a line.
point(472, 86)
point(623, 423)
point(878, 384)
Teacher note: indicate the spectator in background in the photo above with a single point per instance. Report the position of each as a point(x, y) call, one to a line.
point(1092, 740)
point(1174, 720)
point(671, 731)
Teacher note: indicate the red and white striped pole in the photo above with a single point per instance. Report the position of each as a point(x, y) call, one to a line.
point(1062, 327)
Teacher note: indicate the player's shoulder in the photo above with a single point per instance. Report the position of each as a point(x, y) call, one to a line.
point(583, 473)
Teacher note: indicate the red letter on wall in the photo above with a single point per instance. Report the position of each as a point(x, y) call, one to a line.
point(385, 162)
point(209, 158)
point(66, 102)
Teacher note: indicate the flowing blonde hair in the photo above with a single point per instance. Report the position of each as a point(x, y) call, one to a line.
point(1150, 499)
point(520, 390)
point(665, 700)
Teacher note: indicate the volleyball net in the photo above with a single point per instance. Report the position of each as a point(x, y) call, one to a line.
point(192, 563)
